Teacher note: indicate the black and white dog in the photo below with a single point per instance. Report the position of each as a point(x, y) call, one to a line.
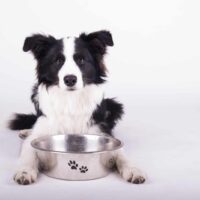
point(68, 98)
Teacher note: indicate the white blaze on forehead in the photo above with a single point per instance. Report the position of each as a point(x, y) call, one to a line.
point(70, 67)
point(69, 46)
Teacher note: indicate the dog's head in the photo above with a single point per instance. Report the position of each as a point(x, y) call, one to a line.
point(71, 62)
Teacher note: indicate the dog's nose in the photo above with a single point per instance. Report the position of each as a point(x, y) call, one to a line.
point(70, 80)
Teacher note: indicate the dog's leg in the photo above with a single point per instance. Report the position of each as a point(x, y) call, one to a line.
point(28, 163)
point(28, 168)
point(127, 170)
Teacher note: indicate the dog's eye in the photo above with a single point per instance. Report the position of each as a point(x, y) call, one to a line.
point(79, 59)
point(60, 60)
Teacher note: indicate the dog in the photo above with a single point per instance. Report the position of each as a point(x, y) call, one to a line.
point(68, 98)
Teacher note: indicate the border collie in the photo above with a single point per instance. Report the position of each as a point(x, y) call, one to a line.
point(68, 98)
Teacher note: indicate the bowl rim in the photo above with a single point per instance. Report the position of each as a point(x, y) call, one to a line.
point(121, 144)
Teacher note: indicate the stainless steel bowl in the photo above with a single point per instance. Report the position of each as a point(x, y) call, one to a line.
point(76, 157)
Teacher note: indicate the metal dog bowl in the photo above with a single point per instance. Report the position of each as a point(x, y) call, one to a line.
point(76, 157)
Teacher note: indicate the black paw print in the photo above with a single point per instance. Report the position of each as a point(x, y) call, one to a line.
point(73, 164)
point(83, 169)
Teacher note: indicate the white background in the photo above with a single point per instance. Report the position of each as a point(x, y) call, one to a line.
point(153, 70)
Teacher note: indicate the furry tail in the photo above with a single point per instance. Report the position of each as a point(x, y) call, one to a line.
point(22, 121)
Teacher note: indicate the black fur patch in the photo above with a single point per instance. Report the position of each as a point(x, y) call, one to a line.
point(34, 99)
point(22, 121)
point(96, 43)
point(107, 114)
point(90, 66)
point(48, 52)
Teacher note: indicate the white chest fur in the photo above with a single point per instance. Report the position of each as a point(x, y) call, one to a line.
point(69, 111)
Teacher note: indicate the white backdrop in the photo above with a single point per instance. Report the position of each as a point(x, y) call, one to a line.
point(153, 70)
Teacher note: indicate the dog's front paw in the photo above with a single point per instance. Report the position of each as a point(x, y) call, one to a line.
point(25, 177)
point(132, 175)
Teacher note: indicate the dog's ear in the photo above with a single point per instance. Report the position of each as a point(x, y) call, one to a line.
point(98, 40)
point(38, 44)
point(104, 37)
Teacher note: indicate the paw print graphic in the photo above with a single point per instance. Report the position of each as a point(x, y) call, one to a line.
point(83, 169)
point(73, 164)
